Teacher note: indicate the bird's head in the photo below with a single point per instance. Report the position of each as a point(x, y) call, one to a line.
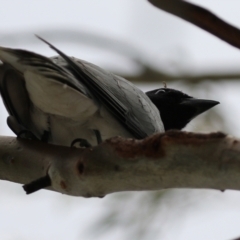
point(176, 108)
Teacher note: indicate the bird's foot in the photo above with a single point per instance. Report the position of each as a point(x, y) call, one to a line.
point(83, 143)
point(45, 137)
point(26, 134)
point(98, 136)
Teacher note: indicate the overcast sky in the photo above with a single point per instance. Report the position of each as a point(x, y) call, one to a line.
point(158, 39)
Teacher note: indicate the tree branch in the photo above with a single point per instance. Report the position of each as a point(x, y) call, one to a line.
point(201, 18)
point(171, 160)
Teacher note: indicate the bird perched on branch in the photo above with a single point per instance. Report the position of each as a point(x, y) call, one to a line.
point(61, 99)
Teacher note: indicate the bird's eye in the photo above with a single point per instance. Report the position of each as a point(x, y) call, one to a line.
point(160, 91)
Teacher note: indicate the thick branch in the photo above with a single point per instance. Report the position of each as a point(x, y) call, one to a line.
point(201, 18)
point(170, 160)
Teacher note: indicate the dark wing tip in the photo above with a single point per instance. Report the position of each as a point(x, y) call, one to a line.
point(42, 39)
point(49, 44)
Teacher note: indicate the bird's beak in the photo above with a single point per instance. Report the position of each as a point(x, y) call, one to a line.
point(200, 105)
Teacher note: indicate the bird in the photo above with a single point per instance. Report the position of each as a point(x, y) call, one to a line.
point(62, 99)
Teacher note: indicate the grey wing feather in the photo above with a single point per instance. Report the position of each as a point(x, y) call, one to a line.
point(12, 84)
point(130, 106)
point(125, 101)
point(142, 116)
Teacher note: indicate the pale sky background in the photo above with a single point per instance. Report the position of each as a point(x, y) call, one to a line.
point(159, 39)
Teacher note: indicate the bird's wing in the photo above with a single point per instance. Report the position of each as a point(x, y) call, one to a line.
point(13, 86)
point(130, 106)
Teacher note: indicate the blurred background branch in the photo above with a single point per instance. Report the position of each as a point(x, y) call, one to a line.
point(147, 72)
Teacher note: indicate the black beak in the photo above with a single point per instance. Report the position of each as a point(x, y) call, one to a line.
point(200, 105)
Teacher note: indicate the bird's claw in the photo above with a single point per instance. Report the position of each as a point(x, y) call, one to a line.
point(83, 143)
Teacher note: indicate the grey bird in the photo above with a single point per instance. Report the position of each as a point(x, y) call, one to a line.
point(62, 98)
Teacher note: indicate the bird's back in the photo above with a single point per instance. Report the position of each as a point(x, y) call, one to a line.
point(121, 108)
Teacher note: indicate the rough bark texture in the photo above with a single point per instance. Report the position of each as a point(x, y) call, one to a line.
point(171, 160)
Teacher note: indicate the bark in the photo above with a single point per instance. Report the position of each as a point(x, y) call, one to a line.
point(170, 160)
